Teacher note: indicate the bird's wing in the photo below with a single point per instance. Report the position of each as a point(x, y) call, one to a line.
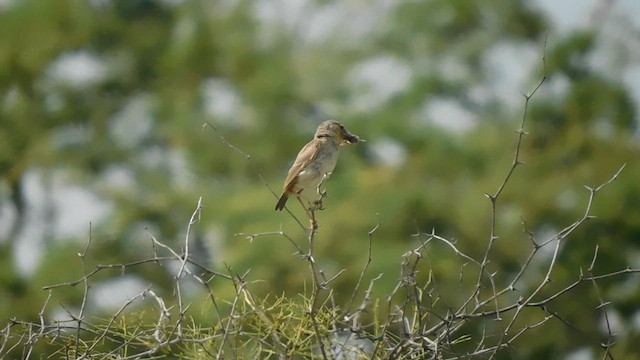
point(308, 153)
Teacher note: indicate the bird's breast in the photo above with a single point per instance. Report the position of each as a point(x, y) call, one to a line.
point(324, 163)
point(326, 160)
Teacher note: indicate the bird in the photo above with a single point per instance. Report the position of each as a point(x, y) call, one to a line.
point(316, 160)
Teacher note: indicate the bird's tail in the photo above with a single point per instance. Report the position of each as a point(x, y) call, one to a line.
point(282, 201)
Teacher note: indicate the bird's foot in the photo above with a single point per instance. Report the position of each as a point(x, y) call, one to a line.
point(317, 205)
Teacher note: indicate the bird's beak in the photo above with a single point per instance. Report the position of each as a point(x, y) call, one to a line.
point(351, 138)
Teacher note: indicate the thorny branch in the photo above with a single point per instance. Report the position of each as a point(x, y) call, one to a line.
point(417, 319)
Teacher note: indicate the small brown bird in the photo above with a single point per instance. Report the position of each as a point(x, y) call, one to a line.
point(316, 159)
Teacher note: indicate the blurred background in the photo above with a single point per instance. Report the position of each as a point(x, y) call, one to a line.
point(102, 104)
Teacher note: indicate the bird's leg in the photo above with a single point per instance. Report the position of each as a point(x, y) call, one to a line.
point(317, 205)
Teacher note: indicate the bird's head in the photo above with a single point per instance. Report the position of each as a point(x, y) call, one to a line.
point(338, 132)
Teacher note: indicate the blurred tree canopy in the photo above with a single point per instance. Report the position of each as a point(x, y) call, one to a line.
point(108, 99)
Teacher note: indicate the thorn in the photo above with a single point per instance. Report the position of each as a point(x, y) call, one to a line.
point(603, 305)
